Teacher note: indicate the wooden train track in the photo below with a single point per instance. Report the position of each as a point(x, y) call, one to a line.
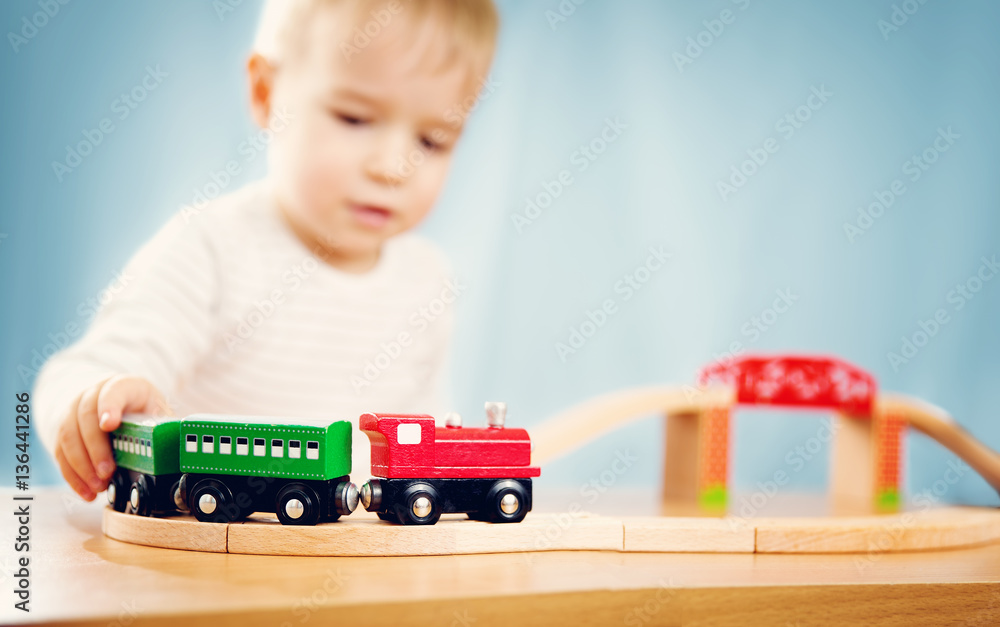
point(364, 535)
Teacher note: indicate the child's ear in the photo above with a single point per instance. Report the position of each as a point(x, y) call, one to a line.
point(261, 75)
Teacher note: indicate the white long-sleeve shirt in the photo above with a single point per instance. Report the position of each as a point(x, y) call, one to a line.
point(226, 311)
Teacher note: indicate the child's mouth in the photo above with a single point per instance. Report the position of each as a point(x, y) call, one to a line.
point(371, 216)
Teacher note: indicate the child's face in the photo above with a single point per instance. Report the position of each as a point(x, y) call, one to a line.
point(370, 139)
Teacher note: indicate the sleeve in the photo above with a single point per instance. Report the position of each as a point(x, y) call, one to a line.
point(157, 323)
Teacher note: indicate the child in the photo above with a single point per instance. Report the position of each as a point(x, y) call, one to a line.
point(302, 295)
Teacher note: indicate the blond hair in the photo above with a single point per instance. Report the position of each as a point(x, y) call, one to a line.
point(471, 24)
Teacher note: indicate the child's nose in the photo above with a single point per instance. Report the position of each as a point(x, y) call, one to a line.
point(386, 163)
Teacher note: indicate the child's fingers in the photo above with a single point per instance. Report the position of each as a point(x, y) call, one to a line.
point(120, 394)
point(70, 457)
point(95, 440)
point(157, 404)
point(79, 485)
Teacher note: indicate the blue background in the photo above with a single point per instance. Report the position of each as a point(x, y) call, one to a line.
point(656, 184)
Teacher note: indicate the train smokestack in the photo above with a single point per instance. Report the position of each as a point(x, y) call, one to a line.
point(495, 414)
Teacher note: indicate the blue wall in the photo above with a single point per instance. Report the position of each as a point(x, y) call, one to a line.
point(682, 115)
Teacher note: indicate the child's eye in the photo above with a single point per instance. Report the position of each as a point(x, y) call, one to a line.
point(429, 144)
point(350, 120)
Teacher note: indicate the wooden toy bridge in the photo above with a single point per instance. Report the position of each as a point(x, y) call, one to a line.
point(867, 439)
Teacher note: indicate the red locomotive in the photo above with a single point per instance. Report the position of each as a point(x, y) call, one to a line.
point(422, 471)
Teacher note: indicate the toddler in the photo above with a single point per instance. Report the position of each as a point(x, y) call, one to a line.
point(303, 295)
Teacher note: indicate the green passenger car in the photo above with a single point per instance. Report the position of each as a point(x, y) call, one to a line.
point(235, 465)
point(145, 449)
point(223, 468)
point(265, 447)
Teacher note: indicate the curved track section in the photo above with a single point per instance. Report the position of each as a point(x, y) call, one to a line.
point(586, 421)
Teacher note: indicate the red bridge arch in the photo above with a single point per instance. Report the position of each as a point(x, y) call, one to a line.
point(865, 458)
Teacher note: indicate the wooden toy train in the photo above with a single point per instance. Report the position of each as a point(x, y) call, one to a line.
point(224, 468)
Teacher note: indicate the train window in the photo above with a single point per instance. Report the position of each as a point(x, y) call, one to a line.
point(258, 447)
point(242, 446)
point(225, 444)
point(149, 448)
point(131, 444)
point(191, 443)
point(277, 448)
point(408, 433)
point(145, 447)
point(207, 444)
point(312, 450)
point(114, 442)
point(294, 449)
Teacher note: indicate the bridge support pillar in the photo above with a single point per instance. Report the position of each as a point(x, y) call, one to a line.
point(865, 461)
point(696, 463)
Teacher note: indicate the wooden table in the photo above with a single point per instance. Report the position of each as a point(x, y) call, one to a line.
point(80, 577)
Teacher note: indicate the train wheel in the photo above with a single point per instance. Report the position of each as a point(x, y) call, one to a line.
point(419, 505)
point(297, 504)
point(211, 501)
point(140, 496)
point(118, 490)
point(506, 502)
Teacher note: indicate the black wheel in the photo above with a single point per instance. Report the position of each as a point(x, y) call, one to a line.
point(118, 490)
point(334, 517)
point(297, 504)
point(388, 516)
point(140, 496)
point(420, 505)
point(211, 501)
point(506, 502)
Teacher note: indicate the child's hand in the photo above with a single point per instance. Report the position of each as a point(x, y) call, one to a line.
point(82, 448)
